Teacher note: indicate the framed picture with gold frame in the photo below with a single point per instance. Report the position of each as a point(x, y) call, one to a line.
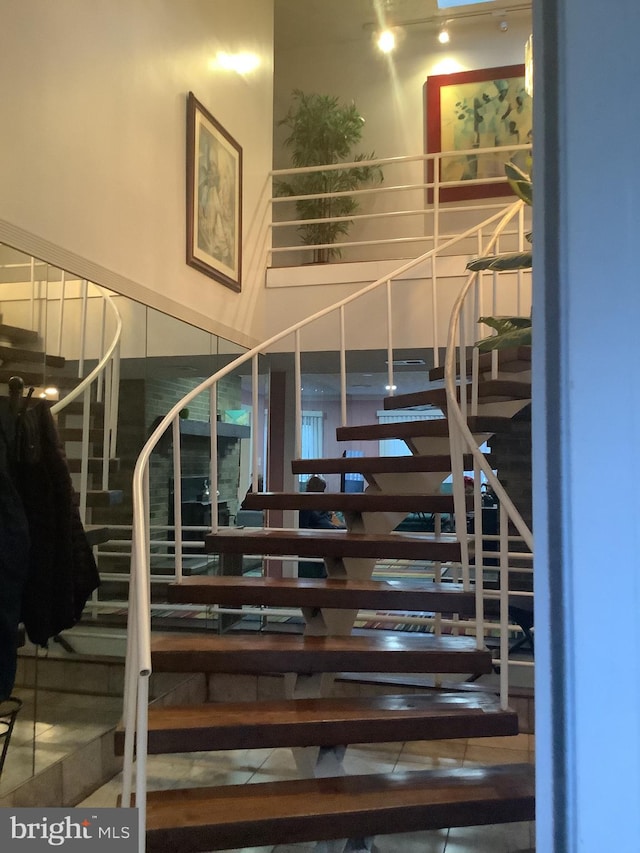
point(487, 108)
point(214, 197)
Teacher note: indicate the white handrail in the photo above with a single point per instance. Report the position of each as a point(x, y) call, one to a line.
point(454, 410)
point(410, 158)
point(100, 366)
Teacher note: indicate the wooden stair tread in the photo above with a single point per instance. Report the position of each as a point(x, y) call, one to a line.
point(349, 501)
point(104, 497)
point(329, 592)
point(75, 434)
point(36, 378)
point(235, 816)
point(332, 543)
point(76, 407)
point(13, 355)
point(95, 465)
point(511, 359)
point(378, 464)
point(324, 722)
point(182, 652)
point(438, 428)
point(488, 391)
point(97, 533)
point(18, 335)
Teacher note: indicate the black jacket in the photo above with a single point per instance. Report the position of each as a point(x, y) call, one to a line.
point(14, 554)
point(62, 572)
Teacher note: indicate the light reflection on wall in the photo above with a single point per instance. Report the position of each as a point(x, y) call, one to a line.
point(243, 62)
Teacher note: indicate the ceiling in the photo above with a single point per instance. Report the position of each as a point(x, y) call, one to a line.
point(308, 21)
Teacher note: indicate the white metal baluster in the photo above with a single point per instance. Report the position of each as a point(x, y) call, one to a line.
point(463, 367)
point(478, 545)
point(255, 420)
point(475, 360)
point(45, 324)
point(504, 607)
point(63, 288)
point(437, 166)
point(115, 401)
point(213, 459)
point(83, 329)
point(84, 456)
point(343, 370)
point(32, 298)
point(177, 496)
point(132, 667)
point(298, 396)
point(521, 242)
point(389, 338)
point(143, 623)
point(106, 421)
point(103, 333)
point(459, 500)
point(142, 746)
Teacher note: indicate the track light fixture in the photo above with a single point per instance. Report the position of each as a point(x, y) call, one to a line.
point(386, 41)
point(444, 36)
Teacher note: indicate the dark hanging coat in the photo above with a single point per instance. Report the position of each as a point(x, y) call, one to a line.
point(14, 554)
point(62, 572)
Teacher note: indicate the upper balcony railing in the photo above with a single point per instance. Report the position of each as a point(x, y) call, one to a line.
point(414, 209)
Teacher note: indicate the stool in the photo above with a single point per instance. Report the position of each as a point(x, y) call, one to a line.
point(9, 709)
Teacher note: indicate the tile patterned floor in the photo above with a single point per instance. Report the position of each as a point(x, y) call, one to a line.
point(65, 722)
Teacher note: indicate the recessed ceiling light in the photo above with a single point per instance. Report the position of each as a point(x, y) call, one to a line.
point(386, 41)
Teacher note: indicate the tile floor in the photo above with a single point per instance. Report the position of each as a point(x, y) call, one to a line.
point(263, 765)
point(65, 722)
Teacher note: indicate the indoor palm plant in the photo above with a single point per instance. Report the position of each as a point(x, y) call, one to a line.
point(324, 131)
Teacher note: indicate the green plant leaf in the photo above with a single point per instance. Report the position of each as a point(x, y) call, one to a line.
point(502, 324)
point(502, 263)
point(514, 338)
point(520, 182)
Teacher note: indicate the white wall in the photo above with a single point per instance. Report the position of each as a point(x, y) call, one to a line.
point(388, 90)
point(94, 116)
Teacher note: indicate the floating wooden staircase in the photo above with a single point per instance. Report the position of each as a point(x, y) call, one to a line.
point(311, 713)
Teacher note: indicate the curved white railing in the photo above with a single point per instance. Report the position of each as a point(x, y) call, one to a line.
point(60, 307)
point(461, 337)
point(105, 378)
point(138, 661)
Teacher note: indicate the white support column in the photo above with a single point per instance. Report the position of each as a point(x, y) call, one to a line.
point(585, 334)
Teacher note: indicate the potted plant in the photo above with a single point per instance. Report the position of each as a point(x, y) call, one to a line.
point(510, 331)
point(324, 131)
